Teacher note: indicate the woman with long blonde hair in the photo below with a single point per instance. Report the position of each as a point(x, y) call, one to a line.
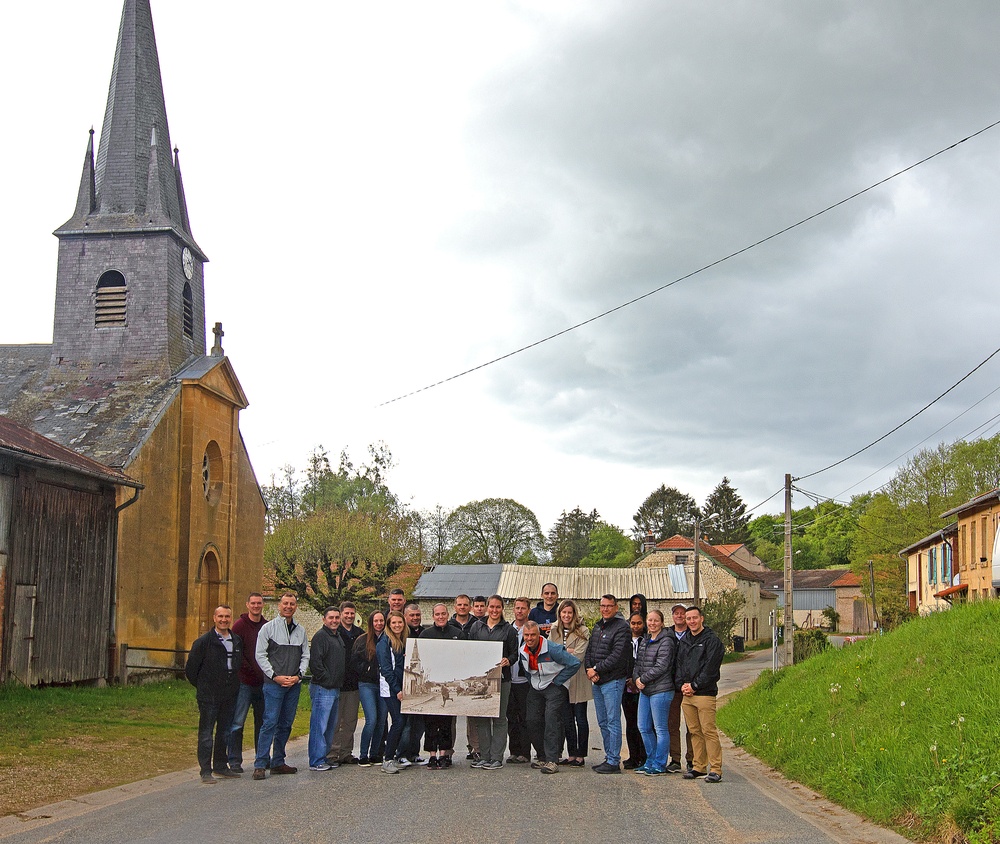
point(391, 651)
point(570, 631)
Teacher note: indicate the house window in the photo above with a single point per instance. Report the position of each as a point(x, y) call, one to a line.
point(973, 556)
point(963, 548)
point(188, 312)
point(211, 473)
point(932, 565)
point(681, 559)
point(983, 538)
point(109, 306)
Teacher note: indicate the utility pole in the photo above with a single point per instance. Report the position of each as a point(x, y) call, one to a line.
point(789, 606)
point(871, 576)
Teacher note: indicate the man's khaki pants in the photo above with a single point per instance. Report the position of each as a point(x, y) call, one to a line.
point(699, 715)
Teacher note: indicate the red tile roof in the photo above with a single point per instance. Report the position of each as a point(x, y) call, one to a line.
point(683, 543)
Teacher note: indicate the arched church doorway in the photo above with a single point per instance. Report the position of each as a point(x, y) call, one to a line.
point(210, 587)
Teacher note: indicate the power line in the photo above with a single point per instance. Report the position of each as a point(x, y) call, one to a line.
point(693, 273)
point(925, 439)
point(905, 421)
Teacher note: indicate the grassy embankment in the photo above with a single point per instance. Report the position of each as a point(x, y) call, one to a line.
point(58, 743)
point(903, 729)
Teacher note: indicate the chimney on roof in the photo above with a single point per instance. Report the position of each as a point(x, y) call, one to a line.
point(649, 543)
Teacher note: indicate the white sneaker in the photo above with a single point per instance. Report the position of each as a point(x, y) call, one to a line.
point(419, 760)
point(403, 762)
point(389, 766)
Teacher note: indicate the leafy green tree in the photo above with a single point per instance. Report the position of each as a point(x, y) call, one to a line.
point(283, 498)
point(494, 530)
point(337, 554)
point(364, 487)
point(343, 533)
point(569, 537)
point(608, 546)
point(723, 612)
point(767, 540)
point(665, 512)
point(434, 534)
point(730, 528)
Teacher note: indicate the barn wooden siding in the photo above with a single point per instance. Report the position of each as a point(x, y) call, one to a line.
point(59, 581)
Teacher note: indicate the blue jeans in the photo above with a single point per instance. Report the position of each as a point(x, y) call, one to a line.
point(608, 706)
point(322, 722)
point(376, 709)
point(396, 730)
point(654, 715)
point(249, 696)
point(279, 713)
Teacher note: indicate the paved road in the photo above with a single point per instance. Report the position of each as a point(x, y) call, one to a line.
point(515, 804)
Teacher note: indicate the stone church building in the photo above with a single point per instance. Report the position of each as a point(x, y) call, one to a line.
point(128, 380)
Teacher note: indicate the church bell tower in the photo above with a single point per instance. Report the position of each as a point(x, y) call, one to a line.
point(130, 295)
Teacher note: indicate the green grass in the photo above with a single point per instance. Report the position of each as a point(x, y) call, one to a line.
point(116, 734)
point(903, 728)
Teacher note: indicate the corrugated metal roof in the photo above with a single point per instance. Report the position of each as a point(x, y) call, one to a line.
point(16, 439)
point(449, 581)
point(657, 584)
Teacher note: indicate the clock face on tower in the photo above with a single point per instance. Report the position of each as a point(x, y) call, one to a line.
point(187, 261)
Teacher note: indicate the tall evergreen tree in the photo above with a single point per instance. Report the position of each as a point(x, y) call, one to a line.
point(665, 511)
point(569, 537)
point(730, 526)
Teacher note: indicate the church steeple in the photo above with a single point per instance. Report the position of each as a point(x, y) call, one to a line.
point(130, 289)
point(135, 140)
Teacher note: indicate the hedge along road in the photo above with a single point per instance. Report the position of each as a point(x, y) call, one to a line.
point(515, 804)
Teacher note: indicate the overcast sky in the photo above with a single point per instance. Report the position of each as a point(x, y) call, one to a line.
point(393, 192)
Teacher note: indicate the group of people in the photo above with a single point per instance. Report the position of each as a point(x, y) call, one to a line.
point(551, 667)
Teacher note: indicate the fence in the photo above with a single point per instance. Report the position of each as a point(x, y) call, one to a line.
point(124, 666)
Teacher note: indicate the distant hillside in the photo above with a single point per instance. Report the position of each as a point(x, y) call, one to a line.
point(904, 728)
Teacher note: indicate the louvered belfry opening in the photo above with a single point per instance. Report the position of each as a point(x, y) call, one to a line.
point(188, 312)
point(109, 308)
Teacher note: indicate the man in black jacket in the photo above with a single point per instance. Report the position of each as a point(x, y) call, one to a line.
point(342, 749)
point(213, 669)
point(699, 663)
point(608, 661)
point(328, 665)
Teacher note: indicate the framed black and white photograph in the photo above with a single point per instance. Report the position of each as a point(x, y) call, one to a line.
point(449, 677)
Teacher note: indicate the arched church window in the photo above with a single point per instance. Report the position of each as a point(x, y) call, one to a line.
point(109, 308)
point(188, 312)
point(211, 473)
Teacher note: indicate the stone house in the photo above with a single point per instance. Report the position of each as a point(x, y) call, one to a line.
point(718, 573)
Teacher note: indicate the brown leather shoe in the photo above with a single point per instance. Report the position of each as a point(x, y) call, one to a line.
point(258, 774)
point(283, 769)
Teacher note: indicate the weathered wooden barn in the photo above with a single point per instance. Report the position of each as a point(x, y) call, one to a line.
point(58, 528)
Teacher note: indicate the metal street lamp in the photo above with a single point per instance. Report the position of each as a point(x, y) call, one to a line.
point(697, 566)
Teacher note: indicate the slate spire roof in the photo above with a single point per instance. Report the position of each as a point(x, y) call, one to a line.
point(134, 178)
